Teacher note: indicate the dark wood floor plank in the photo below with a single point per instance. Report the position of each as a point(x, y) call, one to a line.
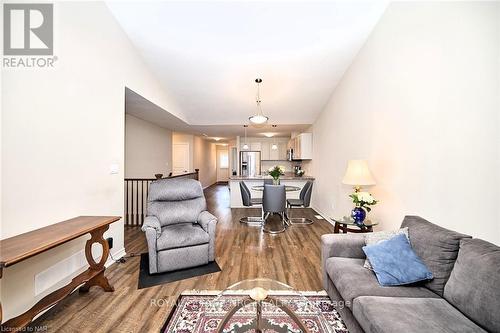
point(242, 252)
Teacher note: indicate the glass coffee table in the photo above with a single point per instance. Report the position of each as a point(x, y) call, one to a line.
point(265, 305)
point(345, 223)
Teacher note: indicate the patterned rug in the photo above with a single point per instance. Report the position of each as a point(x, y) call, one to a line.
point(202, 311)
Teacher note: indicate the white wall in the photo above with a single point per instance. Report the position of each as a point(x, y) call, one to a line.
point(421, 103)
point(148, 149)
point(61, 130)
point(204, 153)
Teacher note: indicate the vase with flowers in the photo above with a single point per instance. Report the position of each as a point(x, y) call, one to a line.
point(276, 172)
point(362, 202)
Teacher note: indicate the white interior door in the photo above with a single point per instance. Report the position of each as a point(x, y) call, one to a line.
point(180, 158)
point(222, 165)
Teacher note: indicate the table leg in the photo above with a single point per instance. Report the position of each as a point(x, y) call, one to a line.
point(97, 236)
point(1, 312)
point(344, 228)
point(258, 322)
point(336, 228)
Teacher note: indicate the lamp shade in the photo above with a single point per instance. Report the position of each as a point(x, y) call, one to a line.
point(358, 174)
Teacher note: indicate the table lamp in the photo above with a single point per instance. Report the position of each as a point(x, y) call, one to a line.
point(358, 174)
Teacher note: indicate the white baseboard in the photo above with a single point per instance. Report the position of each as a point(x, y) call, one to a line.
point(116, 255)
point(75, 258)
point(209, 185)
point(325, 216)
point(68, 267)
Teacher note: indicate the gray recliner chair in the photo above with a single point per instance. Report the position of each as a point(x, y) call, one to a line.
point(179, 230)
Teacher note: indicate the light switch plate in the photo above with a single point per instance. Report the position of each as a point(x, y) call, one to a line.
point(114, 168)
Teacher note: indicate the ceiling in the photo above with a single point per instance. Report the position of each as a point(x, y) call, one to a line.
point(138, 106)
point(208, 54)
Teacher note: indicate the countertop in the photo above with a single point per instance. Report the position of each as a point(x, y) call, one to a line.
point(288, 176)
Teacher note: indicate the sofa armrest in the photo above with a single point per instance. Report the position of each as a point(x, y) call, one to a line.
point(152, 222)
point(208, 222)
point(341, 245)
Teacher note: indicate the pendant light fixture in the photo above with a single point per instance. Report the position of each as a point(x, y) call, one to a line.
point(245, 145)
point(259, 118)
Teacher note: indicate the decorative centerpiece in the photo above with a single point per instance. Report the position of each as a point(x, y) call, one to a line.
point(276, 172)
point(362, 200)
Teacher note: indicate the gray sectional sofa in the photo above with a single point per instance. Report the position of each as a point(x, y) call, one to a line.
point(464, 295)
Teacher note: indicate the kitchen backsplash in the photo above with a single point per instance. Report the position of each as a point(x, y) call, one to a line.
point(265, 165)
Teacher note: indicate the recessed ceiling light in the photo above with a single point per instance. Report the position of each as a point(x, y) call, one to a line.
point(217, 139)
point(269, 135)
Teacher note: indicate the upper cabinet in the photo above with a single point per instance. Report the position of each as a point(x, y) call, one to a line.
point(301, 146)
point(271, 149)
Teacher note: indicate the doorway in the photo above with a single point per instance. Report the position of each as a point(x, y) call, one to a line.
point(222, 164)
point(180, 158)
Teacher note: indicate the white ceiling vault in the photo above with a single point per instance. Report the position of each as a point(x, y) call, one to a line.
point(208, 54)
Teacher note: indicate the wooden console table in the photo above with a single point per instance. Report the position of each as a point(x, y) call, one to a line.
point(21, 247)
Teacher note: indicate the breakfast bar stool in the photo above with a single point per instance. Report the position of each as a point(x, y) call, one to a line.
point(274, 201)
point(248, 201)
point(303, 201)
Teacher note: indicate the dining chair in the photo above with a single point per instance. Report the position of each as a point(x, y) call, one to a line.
point(248, 201)
point(304, 201)
point(274, 202)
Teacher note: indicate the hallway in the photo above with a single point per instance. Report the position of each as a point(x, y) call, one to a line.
point(242, 252)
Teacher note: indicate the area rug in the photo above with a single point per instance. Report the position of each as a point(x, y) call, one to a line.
point(147, 280)
point(202, 311)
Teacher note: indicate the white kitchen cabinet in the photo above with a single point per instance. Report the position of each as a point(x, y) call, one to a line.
point(264, 145)
point(274, 154)
point(282, 148)
point(255, 146)
point(265, 151)
point(302, 146)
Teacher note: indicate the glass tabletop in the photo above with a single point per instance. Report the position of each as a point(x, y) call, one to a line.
point(288, 188)
point(266, 305)
point(350, 221)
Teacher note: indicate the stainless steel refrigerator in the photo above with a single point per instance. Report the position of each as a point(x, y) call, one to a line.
point(249, 163)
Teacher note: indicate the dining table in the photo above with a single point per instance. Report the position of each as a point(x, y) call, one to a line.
point(288, 188)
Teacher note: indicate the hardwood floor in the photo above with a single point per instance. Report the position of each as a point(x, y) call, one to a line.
point(242, 252)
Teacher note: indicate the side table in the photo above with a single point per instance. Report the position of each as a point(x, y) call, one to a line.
point(346, 224)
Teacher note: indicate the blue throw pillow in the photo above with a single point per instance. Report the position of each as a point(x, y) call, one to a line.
point(395, 263)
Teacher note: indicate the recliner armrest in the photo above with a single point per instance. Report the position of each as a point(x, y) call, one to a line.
point(204, 220)
point(153, 223)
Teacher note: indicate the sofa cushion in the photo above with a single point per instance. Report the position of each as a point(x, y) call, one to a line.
point(474, 283)
point(401, 314)
point(181, 235)
point(353, 280)
point(395, 263)
point(436, 246)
